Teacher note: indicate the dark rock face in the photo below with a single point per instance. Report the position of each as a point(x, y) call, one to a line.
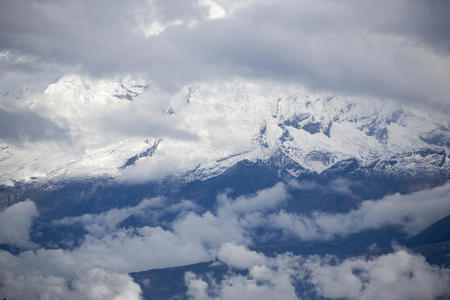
point(147, 153)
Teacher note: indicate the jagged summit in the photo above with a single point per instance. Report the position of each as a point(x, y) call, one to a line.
point(209, 127)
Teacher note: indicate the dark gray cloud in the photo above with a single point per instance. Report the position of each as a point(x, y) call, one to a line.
point(426, 22)
point(386, 49)
point(23, 125)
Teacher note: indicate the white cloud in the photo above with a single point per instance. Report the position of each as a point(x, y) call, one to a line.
point(261, 283)
point(141, 249)
point(97, 268)
point(338, 185)
point(304, 185)
point(191, 238)
point(239, 256)
point(215, 10)
point(197, 288)
point(233, 218)
point(99, 284)
point(15, 223)
point(211, 230)
point(398, 275)
point(267, 278)
point(265, 199)
point(411, 212)
point(341, 186)
point(30, 276)
point(152, 169)
point(102, 223)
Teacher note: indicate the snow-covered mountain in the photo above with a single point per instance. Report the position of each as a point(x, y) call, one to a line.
point(204, 129)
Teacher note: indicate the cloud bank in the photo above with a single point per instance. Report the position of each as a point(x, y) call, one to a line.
point(398, 275)
point(412, 213)
point(103, 223)
point(98, 267)
point(338, 46)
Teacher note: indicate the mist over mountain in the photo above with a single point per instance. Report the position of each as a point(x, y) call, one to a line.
point(224, 150)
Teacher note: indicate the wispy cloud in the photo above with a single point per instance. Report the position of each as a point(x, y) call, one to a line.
point(412, 213)
point(20, 126)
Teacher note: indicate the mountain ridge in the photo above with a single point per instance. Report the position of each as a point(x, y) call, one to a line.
point(223, 123)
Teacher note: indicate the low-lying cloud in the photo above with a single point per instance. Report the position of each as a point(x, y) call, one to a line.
point(53, 276)
point(397, 275)
point(100, 224)
point(412, 213)
point(238, 256)
point(263, 200)
point(108, 253)
point(15, 224)
point(98, 267)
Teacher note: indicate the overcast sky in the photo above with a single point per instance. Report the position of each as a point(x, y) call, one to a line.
point(396, 49)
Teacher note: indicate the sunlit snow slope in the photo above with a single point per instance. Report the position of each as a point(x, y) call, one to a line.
point(205, 128)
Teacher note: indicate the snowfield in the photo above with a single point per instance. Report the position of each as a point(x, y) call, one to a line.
point(204, 129)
